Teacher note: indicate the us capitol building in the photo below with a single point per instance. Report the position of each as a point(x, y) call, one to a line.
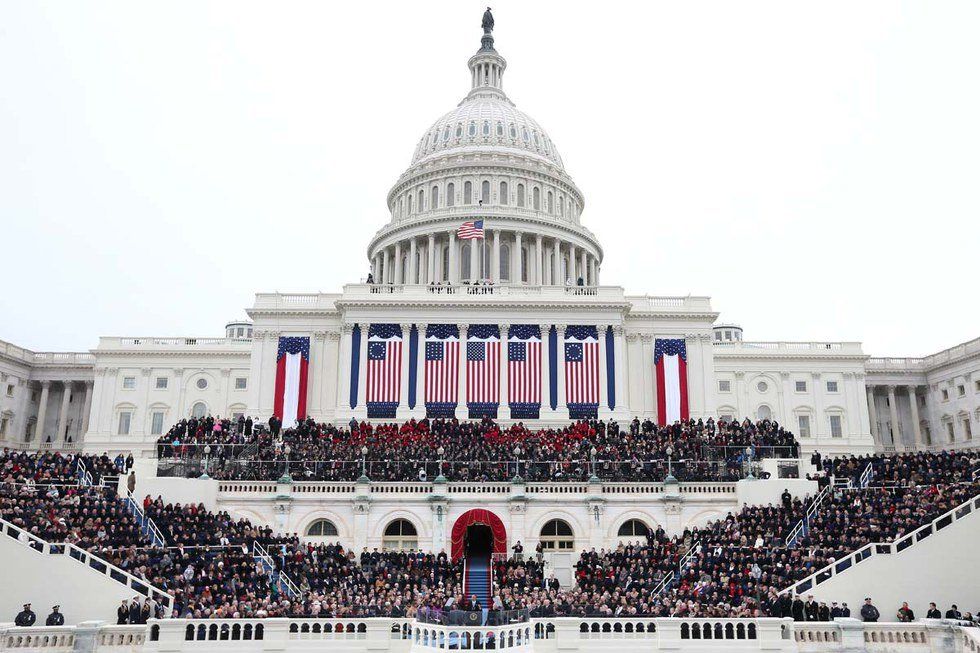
point(487, 160)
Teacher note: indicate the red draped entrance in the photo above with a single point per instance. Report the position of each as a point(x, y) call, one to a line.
point(481, 517)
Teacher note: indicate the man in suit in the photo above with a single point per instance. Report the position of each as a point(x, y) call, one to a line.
point(835, 610)
point(134, 610)
point(811, 609)
point(934, 612)
point(25, 617)
point(845, 611)
point(798, 610)
point(55, 618)
point(869, 612)
point(122, 613)
point(953, 613)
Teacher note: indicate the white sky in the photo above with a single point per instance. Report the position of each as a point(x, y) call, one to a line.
point(813, 167)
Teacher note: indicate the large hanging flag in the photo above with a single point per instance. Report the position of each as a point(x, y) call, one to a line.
point(470, 229)
point(670, 361)
point(483, 370)
point(582, 371)
point(292, 374)
point(384, 370)
point(441, 369)
point(524, 371)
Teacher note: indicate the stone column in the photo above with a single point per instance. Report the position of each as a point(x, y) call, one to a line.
point(402, 411)
point(86, 409)
point(413, 263)
point(42, 411)
point(914, 405)
point(63, 415)
point(474, 259)
point(430, 252)
point(495, 262)
point(893, 411)
point(572, 264)
point(389, 266)
point(503, 412)
point(603, 370)
point(518, 259)
point(649, 387)
point(873, 415)
point(584, 267)
point(362, 369)
point(562, 403)
point(462, 412)
point(556, 279)
point(538, 262)
point(399, 273)
point(545, 366)
point(453, 274)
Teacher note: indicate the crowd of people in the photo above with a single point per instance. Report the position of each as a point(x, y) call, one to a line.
point(475, 451)
point(732, 567)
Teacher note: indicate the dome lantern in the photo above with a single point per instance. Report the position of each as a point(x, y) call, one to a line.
point(487, 66)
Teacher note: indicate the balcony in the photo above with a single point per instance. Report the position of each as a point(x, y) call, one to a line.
point(113, 344)
point(788, 349)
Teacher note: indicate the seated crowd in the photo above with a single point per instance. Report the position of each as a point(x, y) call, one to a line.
point(731, 567)
point(476, 451)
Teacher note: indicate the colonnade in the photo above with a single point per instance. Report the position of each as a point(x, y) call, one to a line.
point(879, 430)
point(41, 434)
point(504, 256)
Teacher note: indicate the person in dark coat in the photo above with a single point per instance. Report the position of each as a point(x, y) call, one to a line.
point(811, 609)
point(25, 617)
point(122, 613)
point(869, 612)
point(845, 611)
point(934, 612)
point(787, 500)
point(134, 610)
point(55, 618)
point(953, 613)
point(823, 613)
point(798, 612)
point(835, 611)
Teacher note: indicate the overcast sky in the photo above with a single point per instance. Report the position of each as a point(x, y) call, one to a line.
point(813, 167)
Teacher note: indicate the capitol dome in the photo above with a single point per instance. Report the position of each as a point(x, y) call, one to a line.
point(485, 161)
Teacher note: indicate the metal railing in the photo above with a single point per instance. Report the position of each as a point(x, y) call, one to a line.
point(866, 476)
point(682, 566)
point(802, 529)
point(84, 476)
point(279, 576)
point(147, 525)
point(472, 617)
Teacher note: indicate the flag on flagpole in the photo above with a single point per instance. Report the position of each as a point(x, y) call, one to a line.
point(670, 361)
point(470, 229)
point(292, 374)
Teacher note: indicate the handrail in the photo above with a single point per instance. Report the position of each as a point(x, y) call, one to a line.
point(866, 476)
point(682, 566)
point(898, 545)
point(803, 527)
point(88, 559)
point(84, 476)
point(285, 582)
point(146, 522)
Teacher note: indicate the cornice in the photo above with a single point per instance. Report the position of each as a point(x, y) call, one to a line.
point(481, 305)
point(159, 353)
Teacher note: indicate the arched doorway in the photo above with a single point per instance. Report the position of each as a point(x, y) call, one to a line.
point(478, 527)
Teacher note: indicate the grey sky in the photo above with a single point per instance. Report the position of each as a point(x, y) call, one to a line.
point(811, 166)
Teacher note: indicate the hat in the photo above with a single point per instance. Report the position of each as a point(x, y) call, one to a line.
point(27, 605)
point(55, 607)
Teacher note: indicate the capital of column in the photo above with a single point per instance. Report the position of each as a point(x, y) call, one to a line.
point(504, 328)
point(406, 328)
point(45, 385)
point(347, 328)
point(463, 328)
point(365, 326)
point(560, 329)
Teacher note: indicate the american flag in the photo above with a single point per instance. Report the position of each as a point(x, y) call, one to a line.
point(384, 364)
point(470, 229)
point(441, 363)
point(582, 365)
point(670, 364)
point(524, 364)
point(292, 376)
point(483, 364)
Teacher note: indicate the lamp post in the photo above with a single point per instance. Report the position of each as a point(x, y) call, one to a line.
point(207, 455)
point(670, 469)
point(364, 477)
point(592, 454)
point(748, 455)
point(517, 454)
point(756, 573)
point(440, 478)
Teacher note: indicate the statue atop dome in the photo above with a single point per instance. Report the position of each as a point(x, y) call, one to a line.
point(487, 21)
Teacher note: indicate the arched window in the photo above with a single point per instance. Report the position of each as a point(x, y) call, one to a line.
point(451, 194)
point(199, 410)
point(464, 261)
point(410, 198)
point(520, 194)
point(322, 528)
point(524, 133)
point(459, 131)
point(445, 134)
point(486, 128)
point(513, 132)
point(633, 528)
point(764, 412)
point(557, 535)
point(535, 198)
point(434, 199)
point(445, 263)
point(421, 204)
point(485, 192)
point(467, 192)
point(400, 535)
point(551, 202)
point(401, 208)
point(561, 206)
point(472, 130)
point(500, 129)
point(505, 262)
point(504, 199)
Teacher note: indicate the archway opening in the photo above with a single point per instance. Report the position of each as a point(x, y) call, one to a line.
point(479, 541)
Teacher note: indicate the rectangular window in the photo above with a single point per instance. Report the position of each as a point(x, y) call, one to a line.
point(156, 425)
point(125, 418)
point(945, 394)
point(10, 390)
point(801, 386)
point(976, 386)
point(835, 427)
point(3, 426)
point(950, 432)
point(961, 389)
point(831, 386)
point(33, 396)
point(804, 426)
point(724, 386)
point(162, 382)
point(129, 382)
point(967, 428)
point(241, 383)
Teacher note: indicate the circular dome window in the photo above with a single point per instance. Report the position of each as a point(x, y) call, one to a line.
point(763, 386)
point(202, 384)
